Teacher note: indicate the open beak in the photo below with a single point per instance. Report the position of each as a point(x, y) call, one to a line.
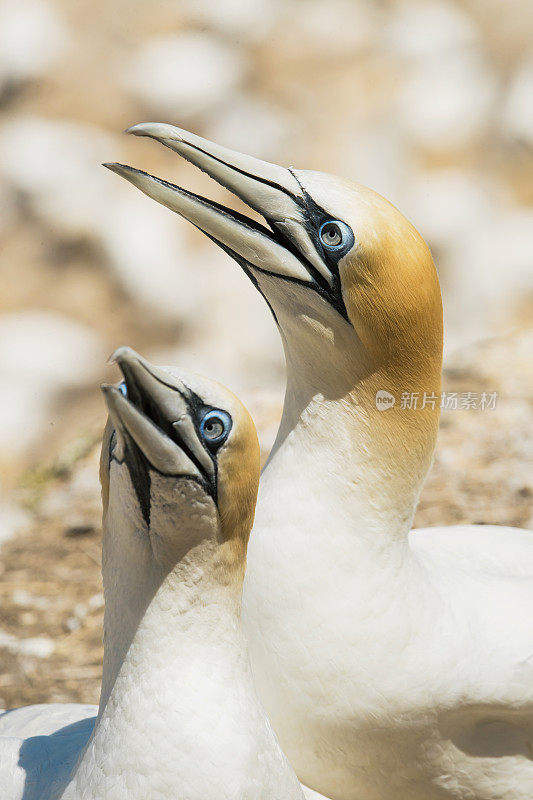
point(151, 414)
point(286, 250)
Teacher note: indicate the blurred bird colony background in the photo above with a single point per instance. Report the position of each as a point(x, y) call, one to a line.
point(430, 102)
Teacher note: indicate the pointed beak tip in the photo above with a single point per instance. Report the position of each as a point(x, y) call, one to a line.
point(142, 129)
point(122, 353)
point(108, 389)
point(111, 360)
point(124, 170)
point(114, 166)
point(155, 130)
point(135, 130)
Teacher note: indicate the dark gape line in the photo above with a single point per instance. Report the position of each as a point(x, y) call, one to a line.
point(241, 171)
point(146, 406)
point(139, 469)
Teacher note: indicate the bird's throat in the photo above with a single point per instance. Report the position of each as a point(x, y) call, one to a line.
point(362, 459)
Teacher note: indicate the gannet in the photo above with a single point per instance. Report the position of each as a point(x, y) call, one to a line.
point(179, 716)
point(393, 664)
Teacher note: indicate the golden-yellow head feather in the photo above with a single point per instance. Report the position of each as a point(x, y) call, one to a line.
point(388, 279)
point(238, 476)
point(177, 464)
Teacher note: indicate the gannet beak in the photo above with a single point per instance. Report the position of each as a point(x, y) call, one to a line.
point(154, 414)
point(286, 250)
point(162, 453)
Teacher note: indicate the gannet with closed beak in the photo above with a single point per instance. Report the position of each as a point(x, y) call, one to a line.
point(394, 665)
point(179, 716)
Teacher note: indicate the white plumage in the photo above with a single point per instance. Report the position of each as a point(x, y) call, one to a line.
point(179, 716)
point(393, 665)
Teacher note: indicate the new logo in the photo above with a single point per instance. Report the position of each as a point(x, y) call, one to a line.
point(384, 400)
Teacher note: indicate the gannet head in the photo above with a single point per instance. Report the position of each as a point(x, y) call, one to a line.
point(180, 460)
point(351, 283)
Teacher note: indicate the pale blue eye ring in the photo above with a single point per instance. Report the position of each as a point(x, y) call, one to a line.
point(123, 388)
point(335, 235)
point(215, 426)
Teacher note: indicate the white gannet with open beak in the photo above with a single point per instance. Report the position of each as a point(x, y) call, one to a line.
point(393, 665)
point(179, 716)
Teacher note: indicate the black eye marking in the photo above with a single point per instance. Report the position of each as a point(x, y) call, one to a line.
point(199, 412)
point(314, 219)
point(112, 444)
point(139, 470)
point(207, 421)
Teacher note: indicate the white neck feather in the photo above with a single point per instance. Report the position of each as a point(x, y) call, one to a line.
point(179, 715)
point(175, 690)
point(323, 470)
point(339, 465)
point(131, 579)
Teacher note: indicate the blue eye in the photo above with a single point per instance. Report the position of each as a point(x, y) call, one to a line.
point(335, 235)
point(215, 426)
point(123, 389)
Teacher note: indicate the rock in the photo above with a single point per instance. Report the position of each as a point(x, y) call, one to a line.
point(21, 597)
point(518, 108)
point(36, 647)
point(446, 103)
point(77, 528)
point(184, 75)
point(96, 601)
point(41, 355)
point(54, 165)
point(33, 38)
